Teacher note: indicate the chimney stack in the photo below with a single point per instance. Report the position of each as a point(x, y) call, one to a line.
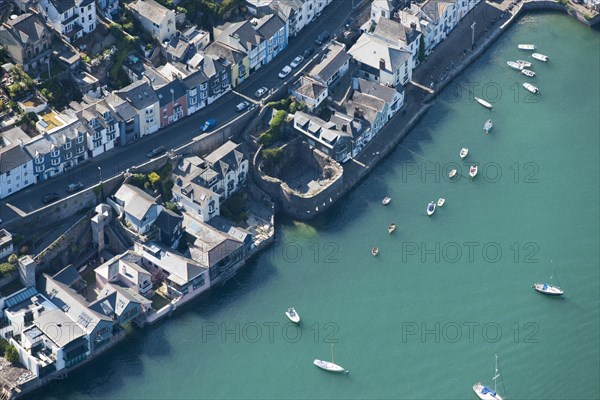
point(381, 64)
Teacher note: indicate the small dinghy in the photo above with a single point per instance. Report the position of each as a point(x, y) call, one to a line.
point(452, 173)
point(473, 171)
point(531, 88)
point(514, 65)
point(292, 315)
point(441, 201)
point(483, 103)
point(431, 208)
point(487, 127)
point(529, 47)
point(528, 73)
point(524, 64)
point(391, 228)
point(386, 201)
point(463, 152)
point(548, 289)
point(540, 57)
point(374, 251)
point(330, 366)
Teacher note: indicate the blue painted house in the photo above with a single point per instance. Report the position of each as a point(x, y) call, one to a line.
point(275, 34)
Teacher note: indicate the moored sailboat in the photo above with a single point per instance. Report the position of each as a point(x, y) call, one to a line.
point(484, 392)
point(330, 366)
point(548, 289)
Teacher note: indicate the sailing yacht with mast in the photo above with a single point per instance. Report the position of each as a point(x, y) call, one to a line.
point(548, 289)
point(484, 392)
point(330, 366)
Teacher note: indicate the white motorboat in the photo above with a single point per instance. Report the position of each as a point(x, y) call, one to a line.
point(375, 251)
point(531, 88)
point(452, 173)
point(330, 366)
point(483, 103)
point(463, 152)
point(473, 171)
point(293, 315)
point(548, 289)
point(391, 228)
point(441, 201)
point(540, 57)
point(386, 201)
point(528, 72)
point(529, 47)
point(487, 127)
point(484, 392)
point(514, 65)
point(431, 208)
point(524, 64)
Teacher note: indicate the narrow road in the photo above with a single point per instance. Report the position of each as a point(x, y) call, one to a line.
point(114, 162)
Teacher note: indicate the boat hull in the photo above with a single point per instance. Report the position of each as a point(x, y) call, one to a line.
point(548, 290)
point(386, 201)
point(484, 393)
point(430, 208)
point(464, 152)
point(483, 103)
point(441, 202)
point(294, 318)
point(328, 366)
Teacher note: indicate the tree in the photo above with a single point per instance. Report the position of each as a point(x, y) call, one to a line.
point(153, 177)
point(12, 355)
point(421, 49)
point(6, 269)
point(13, 259)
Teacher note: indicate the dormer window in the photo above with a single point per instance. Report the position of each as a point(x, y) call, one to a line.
point(39, 159)
point(80, 139)
point(55, 153)
point(67, 146)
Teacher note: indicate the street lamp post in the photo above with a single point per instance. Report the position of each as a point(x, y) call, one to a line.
point(101, 188)
point(472, 35)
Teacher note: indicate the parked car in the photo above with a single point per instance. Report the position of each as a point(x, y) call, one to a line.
point(349, 23)
point(209, 124)
point(261, 92)
point(296, 62)
point(308, 52)
point(50, 198)
point(242, 106)
point(322, 38)
point(75, 186)
point(156, 151)
point(285, 71)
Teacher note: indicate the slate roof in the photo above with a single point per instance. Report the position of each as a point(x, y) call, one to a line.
point(239, 35)
point(390, 30)
point(369, 105)
point(181, 269)
point(12, 157)
point(58, 327)
point(335, 57)
point(222, 50)
point(167, 220)
point(378, 90)
point(269, 25)
point(63, 5)
point(150, 10)
point(68, 275)
point(139, 94)
point(370, 50)
point(136, 201)
point(72, 303)
point(25, 29)
point(310, 88)
point(435, 8)
point(13, 135)
point(164, 93)
point(114, 299)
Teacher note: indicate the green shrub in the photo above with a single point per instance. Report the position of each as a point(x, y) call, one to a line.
point(13, 259)
point(6, 269)
point(153, 177)
point(169, 205)
point(12, 355)
point(138, 180)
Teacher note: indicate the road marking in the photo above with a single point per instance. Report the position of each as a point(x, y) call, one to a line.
point(17, 210)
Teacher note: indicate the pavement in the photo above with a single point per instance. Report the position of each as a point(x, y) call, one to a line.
point(116, 161)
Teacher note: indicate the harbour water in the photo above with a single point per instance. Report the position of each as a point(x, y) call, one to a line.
point(424, 318)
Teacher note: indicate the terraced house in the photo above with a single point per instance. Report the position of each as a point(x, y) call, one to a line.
point(70, 18)
point(27, 41)
point(100, 122)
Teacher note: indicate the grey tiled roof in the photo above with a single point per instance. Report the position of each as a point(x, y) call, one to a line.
point(139, 94)
point(370, 50)
point(269, 25)
point(335, 57)
point(136, 201)
point(12, 157)
point(150, 10)
point(378, 90)
point(27, 28)
point(164, 93)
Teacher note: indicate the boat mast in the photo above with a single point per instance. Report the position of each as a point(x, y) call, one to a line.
point(332, 354)
point(554, 274)
point(496, 374)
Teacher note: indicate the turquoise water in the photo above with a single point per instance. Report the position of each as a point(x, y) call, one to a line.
point(423, 319)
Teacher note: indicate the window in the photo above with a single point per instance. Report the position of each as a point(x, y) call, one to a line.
point(69, 155)
point(80, 150)
point(67, 146)
point(39, 168)
point(55, 161)
point(80, 139)
point(55, 153)
point(39, 160)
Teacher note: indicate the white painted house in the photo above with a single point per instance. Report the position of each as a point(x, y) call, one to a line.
point(16, 164)
point(397, 34)
point(382, 62)
point(100, 122)
point(156, 19)
point(381, 9)
point(72, 19)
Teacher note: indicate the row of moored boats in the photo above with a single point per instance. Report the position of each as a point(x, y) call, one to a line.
point(525, 66)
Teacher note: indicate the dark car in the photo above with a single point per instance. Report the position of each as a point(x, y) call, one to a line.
point(210, 123)
point(50, 198)
point(156, 151)
point(308, 52)
point(322, 38)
